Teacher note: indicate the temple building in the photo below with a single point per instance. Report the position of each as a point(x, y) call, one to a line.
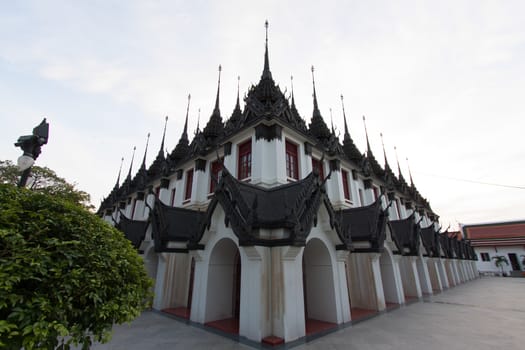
point(270, 227)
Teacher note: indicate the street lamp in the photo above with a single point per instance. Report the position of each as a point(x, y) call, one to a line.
point(31, 145)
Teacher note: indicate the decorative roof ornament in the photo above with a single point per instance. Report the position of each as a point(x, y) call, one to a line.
point(161, 150)
point(402, 182)
point(143, 165)
point(347, 134)
point(117, 184)
point(389, 176)
point(235, 119)
point(332, 121)
point(159, 166)
point(318, 127)
point(131, 164)
point(181, 150)
point(266, 71)
point(349, 147)
point(198, 130)
point(368, 148)
point(410, 174)
point(376, 168)
point(215, 127)
point(291, 85)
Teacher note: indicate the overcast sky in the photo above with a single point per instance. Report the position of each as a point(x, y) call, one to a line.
point(442, 80)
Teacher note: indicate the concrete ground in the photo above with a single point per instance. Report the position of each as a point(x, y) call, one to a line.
point(487, 313)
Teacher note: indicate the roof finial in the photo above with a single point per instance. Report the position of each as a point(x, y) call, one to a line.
point(368, 149)
point(119, 171)
point(145, 152)
point(410, 174)
point(163, 135)
point(344, 116)
point(315, 94)
point(266, 71)
point(397, 160)
point(332, 121)
point(384, 151)
point(198, 121)
point(185, 131)
point(131, 164)
point(218, 89)
point(238, 84)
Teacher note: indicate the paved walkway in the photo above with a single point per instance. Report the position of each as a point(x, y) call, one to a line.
point(487, 313)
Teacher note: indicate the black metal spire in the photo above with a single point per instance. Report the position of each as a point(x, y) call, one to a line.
point(384, 151)
point(143, 165)
point(332, 121)
point(198, 121)
point(216, 109)
point(318, 126)
point(368, 148)
point(400, 175)
point(181, 149)
point(293, 98)
point(185, 131)
point(266, 71)
point(215, 127)
point(347, 134)
point(117, 184)
point(238, 104)
point(161, 150)
point(131, 164)
point(316, 108)
point(410, 174)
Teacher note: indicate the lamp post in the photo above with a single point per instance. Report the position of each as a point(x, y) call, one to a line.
point(31, 145)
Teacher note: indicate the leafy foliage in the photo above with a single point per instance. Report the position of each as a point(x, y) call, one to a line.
point(499, 260)
point(65, 275)
point(45, 180)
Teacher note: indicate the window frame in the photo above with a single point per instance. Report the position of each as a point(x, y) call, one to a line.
point(217, 172)
point(292, 160)
point(318, 164)
point(347, 189)
point(188, 185)
point(244, 149)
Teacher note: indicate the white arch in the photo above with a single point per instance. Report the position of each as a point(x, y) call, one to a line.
point(320, 298)
point(220, 287)
point(390, 277)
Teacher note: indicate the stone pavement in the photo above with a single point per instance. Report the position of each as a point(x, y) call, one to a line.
point(487, 313)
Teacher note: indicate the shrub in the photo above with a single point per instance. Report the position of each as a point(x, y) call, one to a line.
point(66, 276)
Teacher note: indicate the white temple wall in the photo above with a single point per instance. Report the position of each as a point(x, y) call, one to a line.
point(423, 274)
point(390, 277)
point(434, 275)
point(364, 281)
point(410, 276)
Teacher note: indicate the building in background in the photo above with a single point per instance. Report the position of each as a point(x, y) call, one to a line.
point(498, 239)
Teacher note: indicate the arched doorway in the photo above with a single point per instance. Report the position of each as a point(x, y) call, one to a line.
point(388, 278)
point(224, 287)
point(318, 287)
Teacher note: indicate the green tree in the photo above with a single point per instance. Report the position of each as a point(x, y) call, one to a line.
point(45, 180)
point(499, 260)
point(66, 276)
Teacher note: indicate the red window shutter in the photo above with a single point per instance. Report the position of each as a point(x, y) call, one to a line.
point(215, 170)
point(292, 164)
point(172, 199)
point(317, 165)
point(346, 188)
point(244, 163)
point(189, 184)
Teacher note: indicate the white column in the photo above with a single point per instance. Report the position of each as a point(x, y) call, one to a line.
point(293, 326)
point(341, 286)
point(253, 294)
